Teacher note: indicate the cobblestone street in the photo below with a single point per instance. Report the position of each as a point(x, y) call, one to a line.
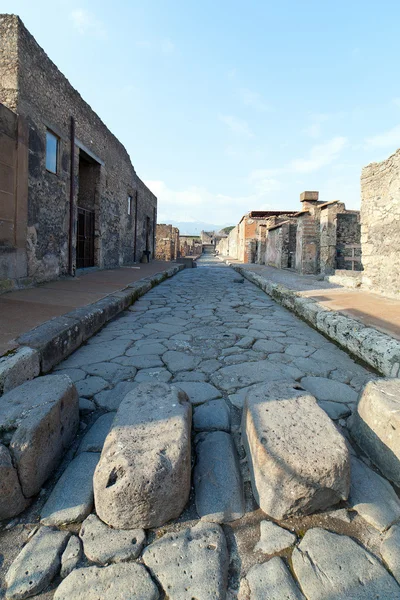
point(217, 337)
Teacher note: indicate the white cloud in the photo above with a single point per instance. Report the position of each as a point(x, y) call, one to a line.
point(86, 23)
point(254, 100)
point(238, 126)
point(320, 155)
point(385, 139)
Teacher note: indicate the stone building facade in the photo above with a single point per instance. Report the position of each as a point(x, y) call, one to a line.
point(380, 226)
point(79, 201)
point(190, 245)
point(167, 242)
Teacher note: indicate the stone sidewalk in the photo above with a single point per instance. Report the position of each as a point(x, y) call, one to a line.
point(23, 310)
point(216, 337)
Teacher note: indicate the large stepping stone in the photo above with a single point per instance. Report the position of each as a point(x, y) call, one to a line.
point(273, 538)
point(143, 477)
point(103, 545)
point(12, 500)
point(375, 425)
point(271, 580)
point(192, 563)
point(372, 496)
point(37, 564)
point(334, 567)
point(199, 391)
point(390, 551)
point(72, 498)
point(95, 437)
point(217, 480)
point(38, 421)
point(299, 463)
point(329, 390)
point(212, 416)
point(242, 375)
point(125, 581)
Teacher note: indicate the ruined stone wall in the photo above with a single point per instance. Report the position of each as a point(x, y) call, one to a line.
point(328, 236)
point(380, 225)
point(167, 242)
point(9, 31)
point(348, 230)
point(230, 246)
point(277, 251)
point(307, 244)
point(47, 101)
point(190, 245)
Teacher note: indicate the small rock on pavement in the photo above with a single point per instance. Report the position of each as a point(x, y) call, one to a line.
point(212, 416)
point(273, 538)
point(217, 480)
point(103, 545)
point(12, 500)
point(334, 566)
point(72, 497)
point(37, 564)
point(192, 563)
point(372, 496)
point(95, 437)
point(390, 550)
point(125, 581)
point(71, 556)
point(270, 580)
point(143, 477)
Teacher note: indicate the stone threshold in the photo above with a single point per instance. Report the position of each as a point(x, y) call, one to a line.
point(42, 348)
point(376, 349)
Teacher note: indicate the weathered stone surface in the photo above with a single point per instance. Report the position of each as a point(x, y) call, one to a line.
point(334, 567)
point(327, 389)
point(390, 550)
point(273, 538)
point(212, 416)
point(111, 372)
point(95, 437)
point(217, 479)
point(96, 353)
point(36, 565)
point(238, 376)
point(103, 545)
point(268, 346)
point(336, 410)
point(199, 391)
point(39, 419)
point(111, 399)
point(271, 580)
point(115, 582)
point(372, 496)
point(298, 461)
point(375, 425)
point(90, 386)
point(142, 348)
point(16, 368)
point(71, 556)
point(157, 374)
point(72, 497)
point(86, 406)
point(143, 477)
point(179, 361)
point(192, 563)
point(12, 500)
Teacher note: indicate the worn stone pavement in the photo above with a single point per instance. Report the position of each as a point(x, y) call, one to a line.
point(214, 334)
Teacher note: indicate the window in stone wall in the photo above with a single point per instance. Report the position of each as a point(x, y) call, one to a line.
point(52, 142)
point(130, 200)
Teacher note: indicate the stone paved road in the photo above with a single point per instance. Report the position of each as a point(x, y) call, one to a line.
point(215, 335)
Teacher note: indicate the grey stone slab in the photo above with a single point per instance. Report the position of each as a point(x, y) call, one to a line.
point(74, 374)
point(143, 477)
point(243, 375)
point(86, 406)
point(90, 386)
point(271, 580)
point(299, 350)
point(268, 346)
point(192, 563)
point(312, 367)
point(335, 357)
point(95, 437)
point(17, 367)
point(158, 374)
point(327, 389)
point(72, 497)
point(37, 564)
point(71, 556)
point(111, 372)
point(212, 416)
point(190, 376)
point(390, 551)
point(372, 496)
point(141, 349)
point(335, 567)
point(12, 500)
point(39, 419)
point(336, 410)
point(199, 391)
point(210, 366)
point(217, 480)
point(111, 399)
point(180, 361)
point(91, 354)
point(103, 545)
point(273, 538)
point(124, 581)
point(146, 361)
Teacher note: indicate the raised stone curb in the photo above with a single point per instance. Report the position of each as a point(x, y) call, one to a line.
point(379, 350)
point(56, 339)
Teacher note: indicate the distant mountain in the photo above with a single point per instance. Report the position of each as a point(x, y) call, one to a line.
point(195, 227)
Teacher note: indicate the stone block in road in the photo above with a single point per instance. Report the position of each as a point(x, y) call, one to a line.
point(270, 580)
point(212, 416)
point(375, 425)
point(21, 365)
point(217, 480)
point(273, 538)
point(71, 556)
point(37, 564)
point(103, 545)
point(143, 477)
point(39, 419)
point(335, 567)
point(192, 563)
point(125, 581)
point(72, 498)
point(12, 500)
point(299, 463)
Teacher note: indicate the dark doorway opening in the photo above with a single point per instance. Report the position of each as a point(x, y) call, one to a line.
point(89, 179)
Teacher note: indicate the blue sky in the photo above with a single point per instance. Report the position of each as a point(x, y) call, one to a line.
point(228, 106)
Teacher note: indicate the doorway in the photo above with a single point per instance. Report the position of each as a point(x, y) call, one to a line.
point(89, 180)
